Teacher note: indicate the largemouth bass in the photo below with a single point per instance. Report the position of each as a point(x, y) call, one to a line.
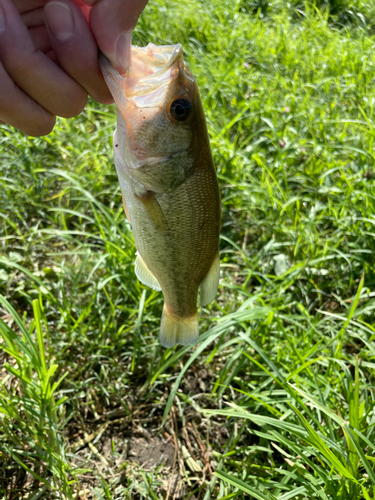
point(169, 184)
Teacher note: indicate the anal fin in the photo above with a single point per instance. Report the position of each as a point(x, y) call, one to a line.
point(178, 330)
point(210, 283)
point(144, 274)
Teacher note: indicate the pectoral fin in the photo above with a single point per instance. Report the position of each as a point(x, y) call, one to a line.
point(154, 211)
point(144, 274)
point(211, 282)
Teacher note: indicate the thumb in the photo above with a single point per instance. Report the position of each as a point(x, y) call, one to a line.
point(112, 22)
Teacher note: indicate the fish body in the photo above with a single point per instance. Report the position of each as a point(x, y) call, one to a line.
point(169, 184)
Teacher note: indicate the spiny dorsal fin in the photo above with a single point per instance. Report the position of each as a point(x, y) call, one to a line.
point(211, 282)
point(144, 274)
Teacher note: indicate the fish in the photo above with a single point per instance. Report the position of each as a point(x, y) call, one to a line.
point(169, 184)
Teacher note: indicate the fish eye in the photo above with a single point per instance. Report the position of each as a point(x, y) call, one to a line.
point(180, 109)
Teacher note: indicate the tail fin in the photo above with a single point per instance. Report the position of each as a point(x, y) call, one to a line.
point(178, 330)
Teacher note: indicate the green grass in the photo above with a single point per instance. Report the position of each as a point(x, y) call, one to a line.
point(277, 401)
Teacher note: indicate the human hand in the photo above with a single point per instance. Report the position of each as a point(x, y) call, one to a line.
point(49, 56)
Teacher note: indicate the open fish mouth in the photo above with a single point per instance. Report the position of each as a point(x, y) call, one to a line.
point(152, 67)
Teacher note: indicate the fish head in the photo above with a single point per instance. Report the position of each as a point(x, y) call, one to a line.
point(159, 112)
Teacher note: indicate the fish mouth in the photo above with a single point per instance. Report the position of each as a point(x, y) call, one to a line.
point(151, 68)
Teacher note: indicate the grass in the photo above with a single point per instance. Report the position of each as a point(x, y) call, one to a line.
point(277, 400)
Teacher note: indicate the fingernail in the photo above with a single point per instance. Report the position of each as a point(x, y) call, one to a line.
point(124, 50)
point(2, 20)
point(59, 19)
